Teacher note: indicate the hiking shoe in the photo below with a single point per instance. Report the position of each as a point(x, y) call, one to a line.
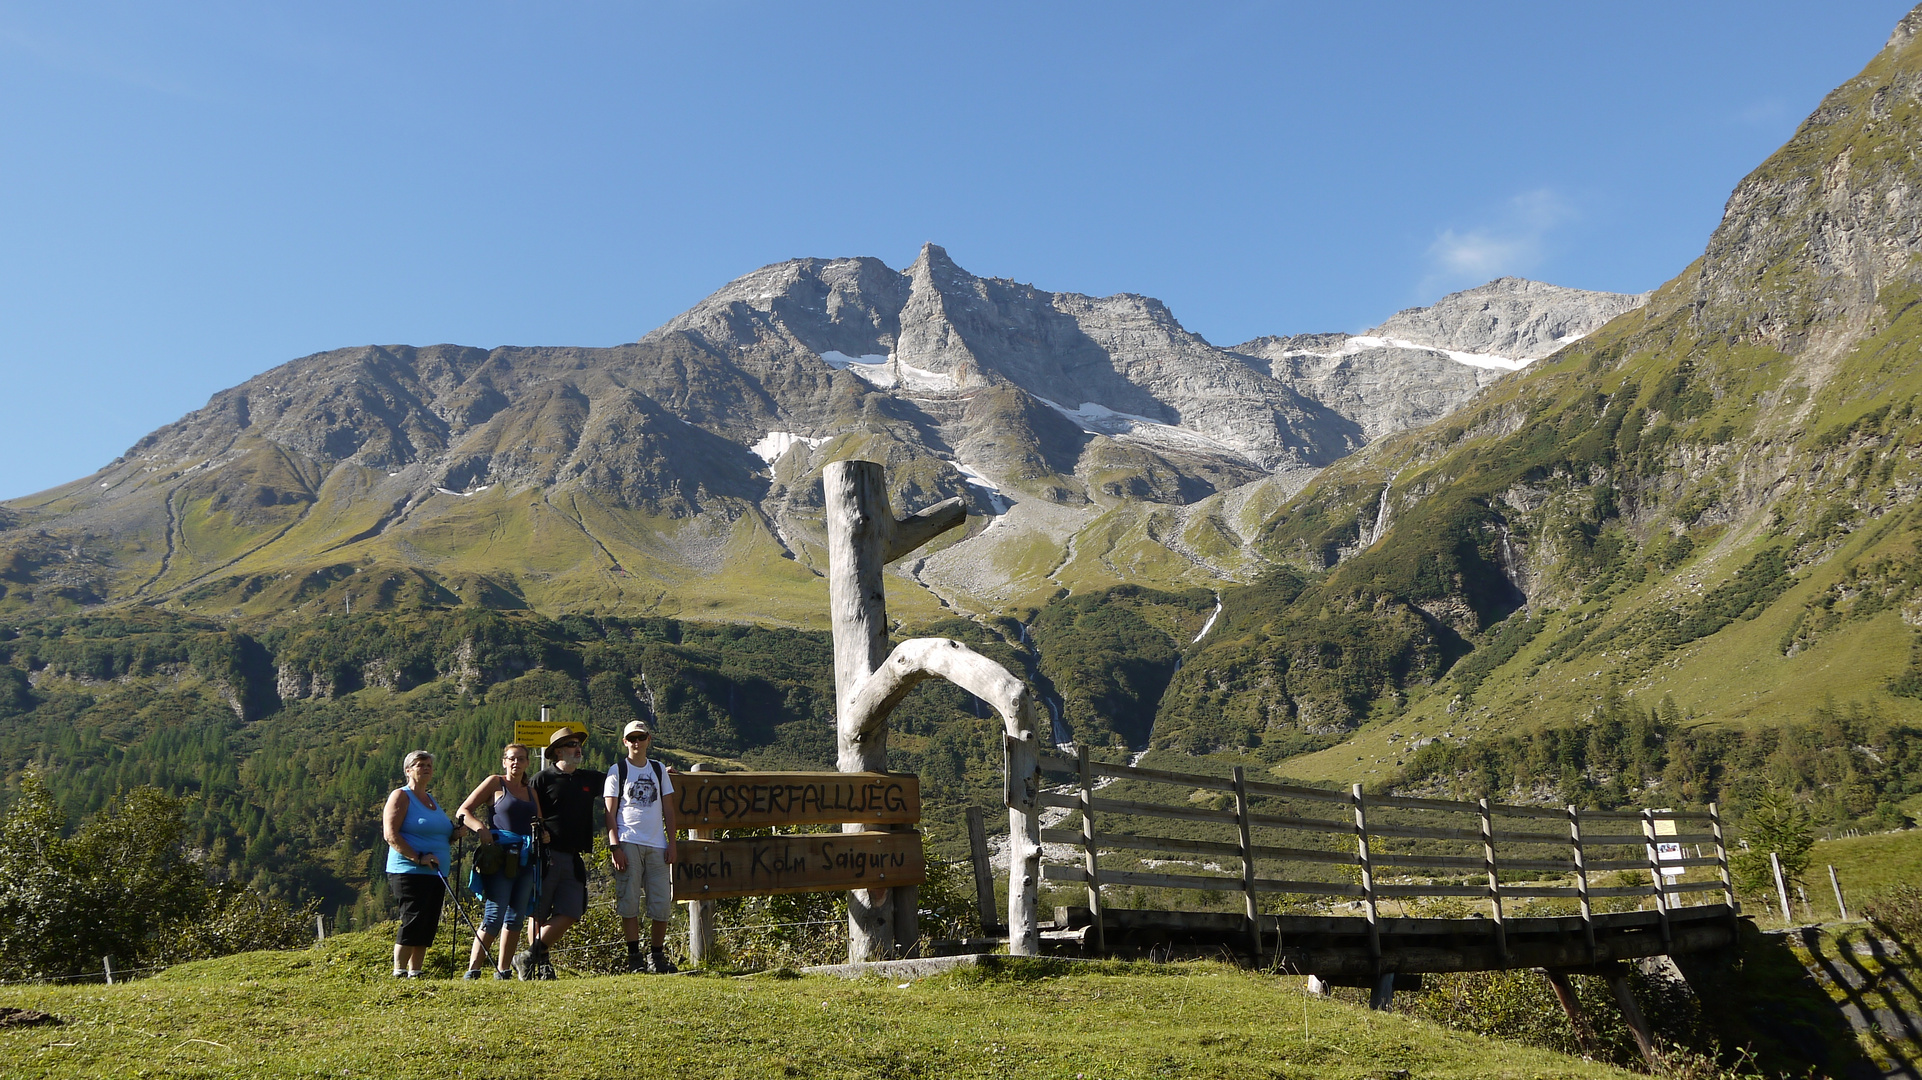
point(399, 974)
point(661, 965)
point(636, 964)
point(544, 971)
point(523, 965)
point(503, 974)
point(472, 973)
point(417, 974)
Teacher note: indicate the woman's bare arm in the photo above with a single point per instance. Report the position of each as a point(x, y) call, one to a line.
point(483, 796)
point(391, 817)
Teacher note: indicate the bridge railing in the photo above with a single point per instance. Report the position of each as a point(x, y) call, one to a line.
point(1368, 849)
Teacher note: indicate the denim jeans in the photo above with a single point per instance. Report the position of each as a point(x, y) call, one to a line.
point(508, 898)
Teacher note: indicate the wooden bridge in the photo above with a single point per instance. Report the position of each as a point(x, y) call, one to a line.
point(1435, 885)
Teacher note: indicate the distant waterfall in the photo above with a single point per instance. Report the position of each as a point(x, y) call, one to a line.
point(1210, 624)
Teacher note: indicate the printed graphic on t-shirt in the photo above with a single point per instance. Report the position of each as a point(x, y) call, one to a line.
point(641, 789)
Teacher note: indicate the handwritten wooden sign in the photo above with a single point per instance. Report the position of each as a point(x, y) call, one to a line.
point(812, 862)
point(742, 800)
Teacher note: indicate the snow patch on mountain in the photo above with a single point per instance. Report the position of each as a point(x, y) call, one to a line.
point(1097, 419)
point(888, 372)
point(776, 443)
point(975, 477)
point(1365, 342)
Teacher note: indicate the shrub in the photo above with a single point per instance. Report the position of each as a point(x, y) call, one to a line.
point(124, 887)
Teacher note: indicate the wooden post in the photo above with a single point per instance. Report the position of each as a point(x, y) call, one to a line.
point(700, 913)
point(1637, 1023)
point(1494, 879)
point(983, 872)
point(1655, 873)
point(1572, 1007)
point(863, 537)
point(320, 925)
point(1367, 873)
point(1581, 886)
point(1089, 862)
point(1840, 904)
point(1023, 772)
point(1247, 837)
point(1721, 860)
point(1383, 996)
point(1781, 889)
point(108, 962)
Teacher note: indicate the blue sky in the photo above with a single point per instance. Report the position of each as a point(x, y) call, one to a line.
point(195, 193)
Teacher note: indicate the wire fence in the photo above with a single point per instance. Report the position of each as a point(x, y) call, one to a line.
point(108, 974)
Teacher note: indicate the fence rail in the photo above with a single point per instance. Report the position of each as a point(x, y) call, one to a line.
point(1470, 839)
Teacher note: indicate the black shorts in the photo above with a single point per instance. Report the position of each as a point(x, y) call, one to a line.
point(419, 897)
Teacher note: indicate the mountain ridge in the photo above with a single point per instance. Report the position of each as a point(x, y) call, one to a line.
point(1097, 438)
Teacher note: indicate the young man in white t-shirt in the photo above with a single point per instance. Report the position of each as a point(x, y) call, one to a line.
point(640, 837)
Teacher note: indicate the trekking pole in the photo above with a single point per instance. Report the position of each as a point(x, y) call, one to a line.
point(537, 859)
point(468, 919)
point(447, 891)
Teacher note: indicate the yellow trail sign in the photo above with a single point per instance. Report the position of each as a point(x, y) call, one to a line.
point(813, 862)
point(535, 733)
point(743, 800)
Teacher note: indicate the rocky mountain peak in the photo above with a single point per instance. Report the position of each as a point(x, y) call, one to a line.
point(1510, 317)
point(1829, 222)
point(1906, 29)
point(1046, 409)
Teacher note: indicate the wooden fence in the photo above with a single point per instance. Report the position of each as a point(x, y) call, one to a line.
point(1369, 839)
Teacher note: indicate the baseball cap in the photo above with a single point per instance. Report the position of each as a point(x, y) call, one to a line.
point(634, 726)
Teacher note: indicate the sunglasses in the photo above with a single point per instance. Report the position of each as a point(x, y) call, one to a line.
point(639, 736)
point(566, 746)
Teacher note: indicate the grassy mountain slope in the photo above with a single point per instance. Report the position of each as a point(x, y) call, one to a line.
point(1712, 498)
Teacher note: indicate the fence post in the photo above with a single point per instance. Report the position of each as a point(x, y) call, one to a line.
point(1721, 860)
point(1581, 880)
point(1494, 878)
point(1655, 872)
point(1367, 874)
point(107, 961)
point(700, 913)
point(320, 928)
point(983, 871)
point(1782, 889)
point(1089, 860)
point(1247, 837)
point(1840, 904)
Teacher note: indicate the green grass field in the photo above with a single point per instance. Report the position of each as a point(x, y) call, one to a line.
point(332, 1011)
point(1866, 865)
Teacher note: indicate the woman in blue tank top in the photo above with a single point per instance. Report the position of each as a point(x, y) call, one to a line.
point(502, 812)
point(418, 834)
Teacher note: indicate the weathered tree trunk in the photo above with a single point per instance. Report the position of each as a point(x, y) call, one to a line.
point(863, 537)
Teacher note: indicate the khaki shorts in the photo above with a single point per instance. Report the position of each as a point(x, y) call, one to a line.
point(646, 873)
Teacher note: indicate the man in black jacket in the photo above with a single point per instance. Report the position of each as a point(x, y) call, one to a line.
point(571, 799)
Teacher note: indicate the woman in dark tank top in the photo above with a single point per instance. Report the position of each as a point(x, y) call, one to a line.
point(503, 808)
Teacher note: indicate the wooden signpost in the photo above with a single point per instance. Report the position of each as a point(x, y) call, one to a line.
point(808, 862)
point(745, 800)
point(708, 869)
